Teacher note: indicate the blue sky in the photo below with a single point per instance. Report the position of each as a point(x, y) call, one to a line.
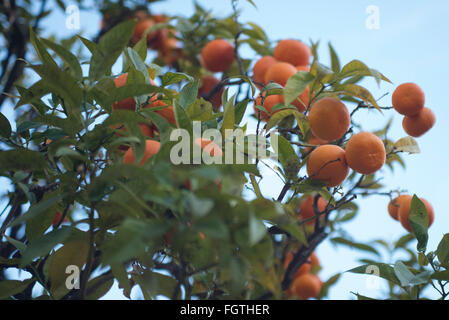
point(409, 46)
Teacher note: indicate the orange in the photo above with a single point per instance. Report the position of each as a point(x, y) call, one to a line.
point(209, 146)
point(167, 112)
point(306, 286)
point(306, 210)
point(127, 103)
point(268, 104)
point(207, 84)
point(151, 148)
point(408, 99)
point(365, 153)
point(328, 163)
point(154, 38)
point(279, 72)
point(419, 124)
point(217, 55)
point(329, 119)
point(260, 68)
point(57, 218)
point(302, 68)
point(393, 205)
point(304, 269)
point(293, 51)
point(404, 212)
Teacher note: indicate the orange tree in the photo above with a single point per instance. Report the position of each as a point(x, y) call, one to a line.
point(95, 189)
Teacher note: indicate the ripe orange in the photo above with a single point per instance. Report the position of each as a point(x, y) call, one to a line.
point(209, 146)
point(268, 104)
point(127, 103)
point(365, 153)
point(279, 72)
point(306, 286)
point(328, 163)
point(207, 84)
point(302, 68)
point(304, 269)
point(419, 124)
point(57, 218)
point(404, 212)
point(293, 51)
point(151, 148)
point(260, 68)
point(306, 210)
point(155, 38)
point(393, 205)
point(146, 129)
point(408, 99)
point(329, 119)
point(217, 55)
point(167, 112)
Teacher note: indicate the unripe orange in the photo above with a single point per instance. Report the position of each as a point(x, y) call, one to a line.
point(419, 124)
point(408, 99)
point(365, 153)
point(328, 163)
point(292, 51)
point(207, 84)
point(306, 286)
point(404, 212)
point(329, 119)
point(217, 55)
point(260, 68)
point(393, 205)
point(306, 210)
point(151, 148)
point(279, 72)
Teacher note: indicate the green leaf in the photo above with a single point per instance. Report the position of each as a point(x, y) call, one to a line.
point(358, 68)
point(404, 240)
point(188, 94)
point(10, 288)
point(69, 58)
point(296, 85)
point(43, 245)
point(200, 110)
point(351, 244)
point(335, 62)
point(109, 48)
point(419, 222)
point(37, 209)
point(228, 116)
point(407, 144)
point(441, 275)
point(357, 91)
point(405, 276)
point(279, 116)
point(98, 287)
point(154, 284)
point(385, 271)
point(442, 251)
point(240, 110)
point(296, 231)
point(5, 127)
point(328, 283)
point(17, 244)
point(257, 230)
point(199, 207)
point(182, 118)
point(287, 157)
point(174, 77)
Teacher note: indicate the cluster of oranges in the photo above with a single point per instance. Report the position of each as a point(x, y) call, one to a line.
point(289, 57)
point(306, 283)
point(408, 99)
point(399, 209)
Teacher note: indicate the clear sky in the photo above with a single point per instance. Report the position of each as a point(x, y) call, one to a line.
point(408, 46)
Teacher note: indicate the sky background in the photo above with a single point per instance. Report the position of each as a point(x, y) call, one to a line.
point(408, 46)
